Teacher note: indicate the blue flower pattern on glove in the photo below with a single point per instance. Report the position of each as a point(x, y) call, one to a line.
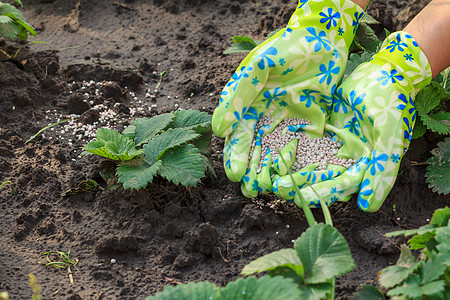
point(410, 103)
point(252, 114)
point(237, 76)
point(266, 59)
point(356, 21)
point(364, 191)
point(308, 97)
point(353, 126)
point(397, 44)
point(355, 101)
point(395, 158)
point(277, 93)
point(339, 102)
point(320, 38)
point(391, 77)
point(407, 134)
point(375, 162)
point(327, 74)
point(330, 18)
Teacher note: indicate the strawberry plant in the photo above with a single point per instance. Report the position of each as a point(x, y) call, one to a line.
point(12, 22)
point(425, 278)
point(173, 145)
point(305, 272)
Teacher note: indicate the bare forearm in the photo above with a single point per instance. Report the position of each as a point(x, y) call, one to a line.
point(361, 3)
point(431, 29)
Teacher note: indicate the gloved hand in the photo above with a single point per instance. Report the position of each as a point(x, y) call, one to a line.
point(282, 78)
point(373, 116)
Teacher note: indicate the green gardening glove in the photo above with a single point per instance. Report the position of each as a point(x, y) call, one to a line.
point(282, 78)
point(373, 116)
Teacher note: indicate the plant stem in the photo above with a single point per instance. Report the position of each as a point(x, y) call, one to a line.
point(161, 76)
point(298, 199)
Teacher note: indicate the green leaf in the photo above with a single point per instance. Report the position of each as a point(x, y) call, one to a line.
point(252, 288)
point(413, 289)
point(428, 99)
point(20, 2)
point(315, 291)
point(191, 119)
point(368, 19)
point(422, 241)
point(440, 217)
point(241, 44)
point(282, 258)
point(5, 19)
point(203, 142)
point(419, 129)
point(167, 140)
point(11, 11)
point(368, 292)
point(243, 39)
point(439, 167)
point(438, 122)
point(137, 174)
point(420, 230)
point(432, 269)
point(146, 128)
point(26, 27)
point(355, 60)
point(409, 288)
point(324, 253)
point(9, 30)
point(194, 290)
point(113, 145)
point(443, 79)
point(443, 239)
point(239, 48)
point(367, 38)
point(183, 165)
point(394, 275)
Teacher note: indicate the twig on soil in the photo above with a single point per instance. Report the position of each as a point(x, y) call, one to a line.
point(172, 280)
point(390, 240)
point(100, 295)
point(224, 259)
point(231, 241)
point(123, 5)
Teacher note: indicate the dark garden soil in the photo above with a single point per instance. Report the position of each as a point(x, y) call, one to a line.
point(162, 235)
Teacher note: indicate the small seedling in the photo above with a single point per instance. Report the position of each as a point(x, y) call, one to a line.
point(45, 128)
point(12, 185)
point(35, 287)
point(161, 75)
point(393, 208)
point(88, 185)
point(66, 262)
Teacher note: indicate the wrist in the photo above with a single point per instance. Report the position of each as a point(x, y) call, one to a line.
point(402, 55)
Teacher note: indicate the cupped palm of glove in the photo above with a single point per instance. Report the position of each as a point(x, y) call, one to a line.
point(373, 115)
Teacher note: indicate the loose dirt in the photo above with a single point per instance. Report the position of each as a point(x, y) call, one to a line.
point(132, 244)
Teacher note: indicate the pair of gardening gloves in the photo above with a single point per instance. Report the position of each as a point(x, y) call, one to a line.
point(297, 73)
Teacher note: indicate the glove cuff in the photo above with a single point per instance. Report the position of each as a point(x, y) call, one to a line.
point(336, 19)
point(405, 63)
